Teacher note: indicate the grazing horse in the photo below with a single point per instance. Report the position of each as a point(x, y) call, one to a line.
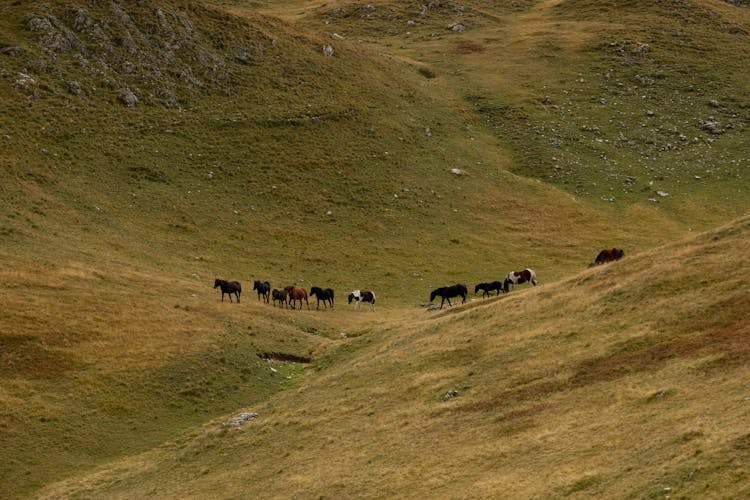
point(488, 287)
point(517, 277)
point(229, 287)
point(362, 296)
point(279, 295)
point(326, 295)
point(264, 289)
point(446, 292)
point(294, 294)
point(608, 255)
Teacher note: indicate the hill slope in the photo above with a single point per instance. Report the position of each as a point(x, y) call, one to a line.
point(625, 380)
point(150, 147)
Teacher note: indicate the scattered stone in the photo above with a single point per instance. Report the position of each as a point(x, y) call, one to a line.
point(343, 335)
point(75, 88)
point(39, 24)
point(457, 27)
point(241, 419)
point(458, 171)
point(12, 51)
point(450, 395)
point(127, 97)
point(662, 194)
point(327, 51)
point(712, 126)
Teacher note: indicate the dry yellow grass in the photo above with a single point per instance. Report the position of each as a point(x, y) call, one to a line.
point(626, 380)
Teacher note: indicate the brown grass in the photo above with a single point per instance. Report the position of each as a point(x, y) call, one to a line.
point(551, 383)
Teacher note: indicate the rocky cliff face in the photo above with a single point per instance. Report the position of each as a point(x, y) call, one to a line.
point(136, 52)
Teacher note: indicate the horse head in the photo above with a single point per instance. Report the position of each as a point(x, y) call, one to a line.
point(217, 283)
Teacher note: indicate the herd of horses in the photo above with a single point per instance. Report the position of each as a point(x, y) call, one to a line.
point(290, 295)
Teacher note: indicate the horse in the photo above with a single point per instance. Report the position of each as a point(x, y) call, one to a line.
point(279, 295)
point(518, 277)
point(446, 292)
point(608, 255)
point(362, 296)
point(229, 287)
point(296, 293)
point(326, 295)
point(263, 288)
point(488, 287)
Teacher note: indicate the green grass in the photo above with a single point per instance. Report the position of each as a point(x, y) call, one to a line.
point(251, 155)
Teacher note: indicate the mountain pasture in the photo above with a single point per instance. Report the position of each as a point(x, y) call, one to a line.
point(150, 148)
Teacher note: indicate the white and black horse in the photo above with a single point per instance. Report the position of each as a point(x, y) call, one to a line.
point(362, 296)
point(448, 292)
point(518, 277)
point(489, 287)
point(264, 290)
point(326, 295)
point(229, 288)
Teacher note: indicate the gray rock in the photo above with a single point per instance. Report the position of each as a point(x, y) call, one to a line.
point(127, 97)
point(241, 419)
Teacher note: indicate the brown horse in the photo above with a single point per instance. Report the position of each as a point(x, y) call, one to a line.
point(609, 255)
point(229, 288)
point(296, 293)
point(279, 295)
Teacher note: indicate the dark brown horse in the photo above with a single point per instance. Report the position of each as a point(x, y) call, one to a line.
point(488, 287)
point(518, 277)
point(229, 287)
point(263, 288)
point(447, 292)
point(326, 295)
point(294, 294)
point(279, 295)
point(609, 255)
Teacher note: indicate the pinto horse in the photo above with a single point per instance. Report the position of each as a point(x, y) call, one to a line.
point(326, 295)
point(362, 296)
point(263, 288)
point(488, 287)
point(446, 292)
point(518, 277)
point(608, 255)
point(229, 287)
point(279, 295)
point(296, 293)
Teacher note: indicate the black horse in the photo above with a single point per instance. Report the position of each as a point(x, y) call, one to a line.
point(229, 287)
point(446, 292)
point(279, 295)
point(326, 295)
point(264, 289)
point(488, 287)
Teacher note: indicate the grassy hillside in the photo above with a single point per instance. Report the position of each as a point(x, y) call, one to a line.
point(150, 147)
point(625, 380)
